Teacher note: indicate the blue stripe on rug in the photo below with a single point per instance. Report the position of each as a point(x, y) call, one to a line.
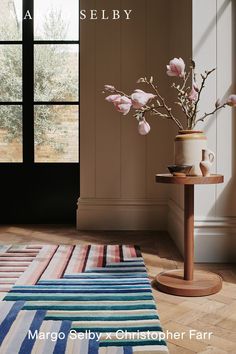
point(114, 329)
point(73, 291)
point(83, 287)
point(112, 297)
point(94, 281)
point(93, 347)
point(78, 287)
point(131, 343)
point(95, 296)
point(10, 318)
point(70, 281)
point(76, 280)
point(114, 271)
point(60, 346)
point(110, 276)
point(90, 308)
point(28, 342)
point(100, 318)
point(123, 264)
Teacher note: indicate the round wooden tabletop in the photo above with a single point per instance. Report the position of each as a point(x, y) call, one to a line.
point(168, 178)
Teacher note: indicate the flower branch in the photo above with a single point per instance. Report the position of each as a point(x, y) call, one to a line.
point(188, 98)
point(204, 78)
point(202, 119)
point(168, 110)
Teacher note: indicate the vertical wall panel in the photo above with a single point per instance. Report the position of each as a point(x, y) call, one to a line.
point(204, 53)
point(179, 45)
point(226, 127)
point(133, 66)
point(214, 33)
point(118, 166)
point(87, 104)
point(160, 140)
point(107, 54)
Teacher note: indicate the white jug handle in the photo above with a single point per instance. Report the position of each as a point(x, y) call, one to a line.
point(211, 156)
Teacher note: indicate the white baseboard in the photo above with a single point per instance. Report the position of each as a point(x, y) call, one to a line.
point(122, 214)
point(215, 237)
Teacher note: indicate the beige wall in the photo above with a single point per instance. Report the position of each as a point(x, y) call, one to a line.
point(118, 166)
point(213, 41)
point(180, 45)
point(118, 189)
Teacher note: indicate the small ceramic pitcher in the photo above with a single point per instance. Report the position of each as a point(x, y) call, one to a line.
point(208, 158)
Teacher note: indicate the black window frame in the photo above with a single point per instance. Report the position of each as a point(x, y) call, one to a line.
point(28, 102)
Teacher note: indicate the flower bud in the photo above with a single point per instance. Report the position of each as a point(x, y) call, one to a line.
point(109, 88)
point(143, 127)
point(231, 101)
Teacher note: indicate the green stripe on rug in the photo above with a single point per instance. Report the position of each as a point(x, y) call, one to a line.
point(90, 297)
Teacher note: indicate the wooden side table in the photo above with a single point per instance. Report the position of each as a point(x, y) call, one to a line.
point(188, 282)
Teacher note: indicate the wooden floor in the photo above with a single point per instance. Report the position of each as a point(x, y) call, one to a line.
point(216, 313)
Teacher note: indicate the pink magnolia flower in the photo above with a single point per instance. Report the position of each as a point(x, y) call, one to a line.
point(193, 96)
point(140, 98)
point(112, 98)
point(122, 103)
point(231, 101)
point(176, 67)
point(143, 127)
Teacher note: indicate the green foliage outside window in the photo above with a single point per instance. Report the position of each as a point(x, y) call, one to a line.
point(55, 79)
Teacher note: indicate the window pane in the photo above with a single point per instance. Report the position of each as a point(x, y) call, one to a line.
point(56, 19)
point(10, 133)
point(56, 73)
point(11, 20)
point(56, 133)
point(10, 73)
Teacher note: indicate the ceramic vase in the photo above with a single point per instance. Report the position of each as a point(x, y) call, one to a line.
point(188, 149)
point(208, 158)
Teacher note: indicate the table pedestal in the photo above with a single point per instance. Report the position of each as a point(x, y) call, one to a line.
point(204, 283)
point(187, 282)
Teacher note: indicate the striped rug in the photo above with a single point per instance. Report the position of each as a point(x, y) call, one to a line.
point(77, 300)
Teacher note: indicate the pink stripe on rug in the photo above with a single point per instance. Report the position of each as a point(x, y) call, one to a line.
point(58, 263)
point(127, 252)
point(81, 259)
point(100, 256)
point(18, 254)
point(72, 266)
point(132, 251)
point(16, 259)
point(113, 254)
point(95, 257)
point(37, 267)
point(8, 281)
point(5, 288)
point(12, 269)
point(14, 264)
